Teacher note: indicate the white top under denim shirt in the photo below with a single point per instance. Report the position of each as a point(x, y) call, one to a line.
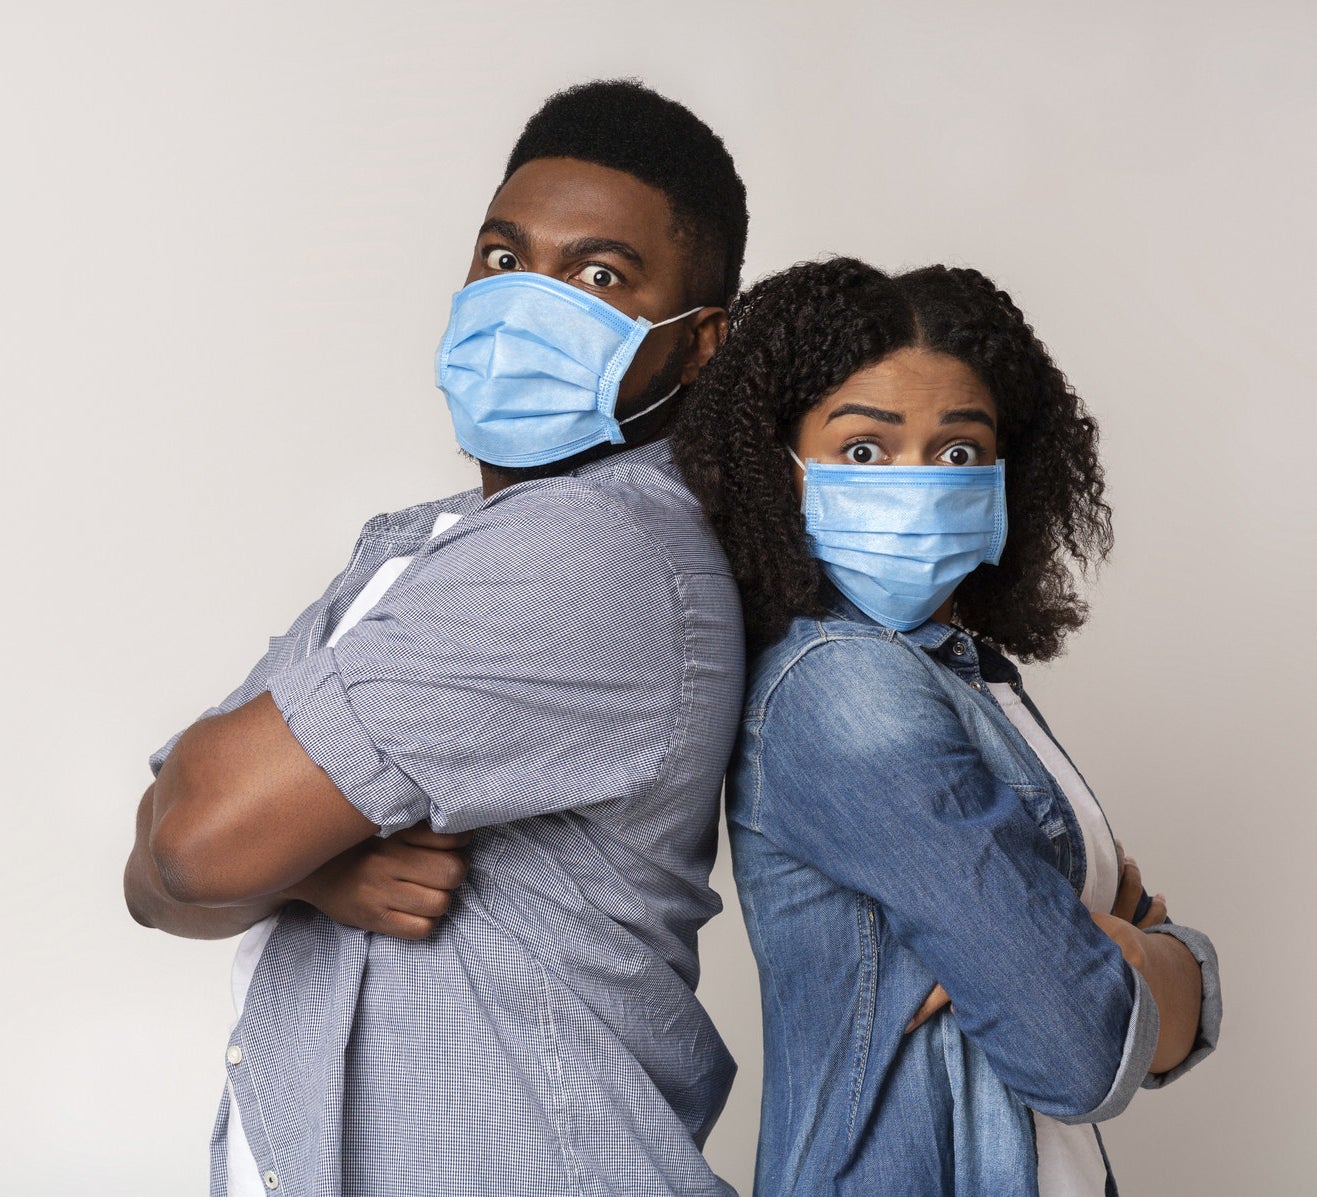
point(560, 671)
point(892, 828)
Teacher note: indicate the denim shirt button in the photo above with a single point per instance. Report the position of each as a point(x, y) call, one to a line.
point(958, 648)
point(976, 685)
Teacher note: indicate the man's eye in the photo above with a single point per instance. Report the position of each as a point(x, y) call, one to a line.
point(501, 259)
point(864, 453)
point(600, 277)
point(959, 455)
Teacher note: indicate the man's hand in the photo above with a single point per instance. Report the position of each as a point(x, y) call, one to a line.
point(400, 886)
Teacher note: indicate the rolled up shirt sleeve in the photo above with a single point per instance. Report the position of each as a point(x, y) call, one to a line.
point(888, 794)
point(535, 664)
point(1209, 1018)
point(294, 643)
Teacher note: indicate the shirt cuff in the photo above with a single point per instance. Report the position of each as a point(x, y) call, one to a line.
point(315, 705)
point(1209, 1018)
point(1140, 1044)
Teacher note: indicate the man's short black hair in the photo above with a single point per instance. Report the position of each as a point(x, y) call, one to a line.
point(621, 124)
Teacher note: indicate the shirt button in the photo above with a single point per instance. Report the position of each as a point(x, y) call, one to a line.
point(958, 648)
point(234, 1054)
point(271, 1180)
point(976, 685)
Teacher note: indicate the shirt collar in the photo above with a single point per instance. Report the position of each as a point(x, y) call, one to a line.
point(929, 635)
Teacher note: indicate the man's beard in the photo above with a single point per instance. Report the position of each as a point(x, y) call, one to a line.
point(646, 428)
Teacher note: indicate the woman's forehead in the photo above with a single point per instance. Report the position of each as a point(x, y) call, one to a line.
point(912, 380)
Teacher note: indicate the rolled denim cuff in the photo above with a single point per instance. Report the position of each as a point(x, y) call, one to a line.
point(315, 704)
point(1140, 1044)
point(1209, 1019)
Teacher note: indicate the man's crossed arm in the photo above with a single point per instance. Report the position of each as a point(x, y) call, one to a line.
point(241, 820)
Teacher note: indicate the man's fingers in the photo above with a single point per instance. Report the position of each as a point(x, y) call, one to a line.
point(401, 925)
point(406, 898)
point(937, 999)
point(421, 836)
point(433, 868)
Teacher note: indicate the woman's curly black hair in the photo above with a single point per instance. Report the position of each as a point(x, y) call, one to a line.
point(798, 335)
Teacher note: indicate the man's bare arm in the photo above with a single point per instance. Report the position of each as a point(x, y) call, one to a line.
point(152, 906)
point(241, 812)
point(400, 886)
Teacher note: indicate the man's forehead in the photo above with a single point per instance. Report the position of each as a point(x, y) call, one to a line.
point(561, 200)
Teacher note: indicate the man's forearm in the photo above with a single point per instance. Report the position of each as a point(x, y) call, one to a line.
point(150, 904)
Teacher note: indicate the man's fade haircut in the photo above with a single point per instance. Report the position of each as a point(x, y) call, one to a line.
point(621, 124)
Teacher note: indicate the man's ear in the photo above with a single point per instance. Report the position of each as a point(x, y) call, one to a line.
point(708, 331)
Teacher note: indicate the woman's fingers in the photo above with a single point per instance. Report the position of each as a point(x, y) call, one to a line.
point(1155, 914)
point(937, 999)
point(1129, 891)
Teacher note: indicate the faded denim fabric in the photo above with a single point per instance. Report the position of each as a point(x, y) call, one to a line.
point(891, 829)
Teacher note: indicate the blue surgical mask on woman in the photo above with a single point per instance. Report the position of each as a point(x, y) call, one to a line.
point(898, 540)
point(531, 367)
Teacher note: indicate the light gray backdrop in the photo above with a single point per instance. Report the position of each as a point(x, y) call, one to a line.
point(230, 231)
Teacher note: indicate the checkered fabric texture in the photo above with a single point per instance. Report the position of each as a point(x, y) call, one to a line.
point(561, 671)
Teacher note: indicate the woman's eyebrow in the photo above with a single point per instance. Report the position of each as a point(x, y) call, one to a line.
point(970, 415)
point(881, 414)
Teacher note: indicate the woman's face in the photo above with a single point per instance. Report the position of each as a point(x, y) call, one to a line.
point(914, 407)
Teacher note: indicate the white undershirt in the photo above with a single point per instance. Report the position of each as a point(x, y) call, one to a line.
point(244, 1173)
point(1070, 1160)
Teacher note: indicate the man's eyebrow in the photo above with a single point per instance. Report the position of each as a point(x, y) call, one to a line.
point(971, 415)
point(584, 247)
point(881, 414)
point(512, 233)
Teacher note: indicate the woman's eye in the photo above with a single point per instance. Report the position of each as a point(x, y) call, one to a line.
point(501, 259)
point(959, 455)
point(600, 277)
point(862, 454)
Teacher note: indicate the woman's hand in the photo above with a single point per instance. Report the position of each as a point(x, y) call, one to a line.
point(399, 886)
point(936, 1000)
point(1129, 894)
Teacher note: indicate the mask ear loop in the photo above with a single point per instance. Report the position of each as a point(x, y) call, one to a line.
point(794, 458)
point(674, 319)
point(644, 411)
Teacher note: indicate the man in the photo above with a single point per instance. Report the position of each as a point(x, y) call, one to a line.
point(549, 667)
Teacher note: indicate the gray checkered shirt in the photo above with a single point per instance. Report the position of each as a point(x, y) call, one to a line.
point(561, 671)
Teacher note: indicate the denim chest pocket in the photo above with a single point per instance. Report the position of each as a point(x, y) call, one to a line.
point(1042, 808)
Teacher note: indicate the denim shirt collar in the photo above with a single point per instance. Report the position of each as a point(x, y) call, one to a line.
point(929, 635)
point(936, 639)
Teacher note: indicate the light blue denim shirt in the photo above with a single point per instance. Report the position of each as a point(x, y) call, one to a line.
point(891, 829)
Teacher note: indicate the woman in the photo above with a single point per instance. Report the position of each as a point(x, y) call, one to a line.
point(900, 816)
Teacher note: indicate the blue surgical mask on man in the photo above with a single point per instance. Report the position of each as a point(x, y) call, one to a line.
point(531, 368)
point(898, 540)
